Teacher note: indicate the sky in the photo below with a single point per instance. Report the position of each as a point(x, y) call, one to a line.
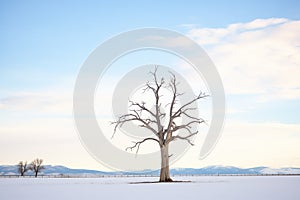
point(255, 46)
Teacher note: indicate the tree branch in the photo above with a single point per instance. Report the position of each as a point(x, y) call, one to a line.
point(180, 110)
point(137, 144)
point(132, 117)
point(187, 138)
point(173, 86)
point(142, 107)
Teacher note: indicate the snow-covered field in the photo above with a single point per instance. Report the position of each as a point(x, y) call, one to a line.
point(203, 187)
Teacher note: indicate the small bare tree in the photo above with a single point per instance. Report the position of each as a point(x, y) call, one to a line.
point(36, 166)
point(22, 168)
point(163, 134)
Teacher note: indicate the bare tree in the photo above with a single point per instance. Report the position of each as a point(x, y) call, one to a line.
point(36, 166)
point(22, 168)
point(163, 133)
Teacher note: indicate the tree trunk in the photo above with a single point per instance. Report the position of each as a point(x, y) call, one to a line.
point(164, 170)
point(36, 173)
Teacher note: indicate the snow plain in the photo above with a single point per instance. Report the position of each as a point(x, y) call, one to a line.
point(200, 187)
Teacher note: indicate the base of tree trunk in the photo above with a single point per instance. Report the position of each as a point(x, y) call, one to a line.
point(152, 182)
point(166, 180)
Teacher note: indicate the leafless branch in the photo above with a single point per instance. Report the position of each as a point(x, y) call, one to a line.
point(36, 166)
point(142, 107)
point(181, 109)
point(22, 167)
point(153, 118)
point(187, 138)
point(132, 117)
point(137, 144)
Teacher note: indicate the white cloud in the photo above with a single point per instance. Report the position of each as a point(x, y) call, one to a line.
point(260, 57)
point(216, 35)
point(256, 24)
point(46, 102)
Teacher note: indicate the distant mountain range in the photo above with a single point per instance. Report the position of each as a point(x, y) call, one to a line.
point(211, 170)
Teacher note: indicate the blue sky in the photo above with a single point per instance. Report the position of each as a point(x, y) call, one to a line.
point(57, 35)
point(44, 43)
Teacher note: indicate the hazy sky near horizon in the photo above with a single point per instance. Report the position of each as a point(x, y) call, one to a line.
point(255, 46)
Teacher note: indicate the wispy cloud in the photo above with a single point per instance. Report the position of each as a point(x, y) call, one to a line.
point(46, 102)
point(259, 57)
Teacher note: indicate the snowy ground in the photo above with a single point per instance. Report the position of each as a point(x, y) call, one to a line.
point(205, 187)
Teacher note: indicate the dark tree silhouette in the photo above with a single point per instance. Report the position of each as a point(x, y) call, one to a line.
point(36, 166)
point(162, 134)
point(22, 168)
